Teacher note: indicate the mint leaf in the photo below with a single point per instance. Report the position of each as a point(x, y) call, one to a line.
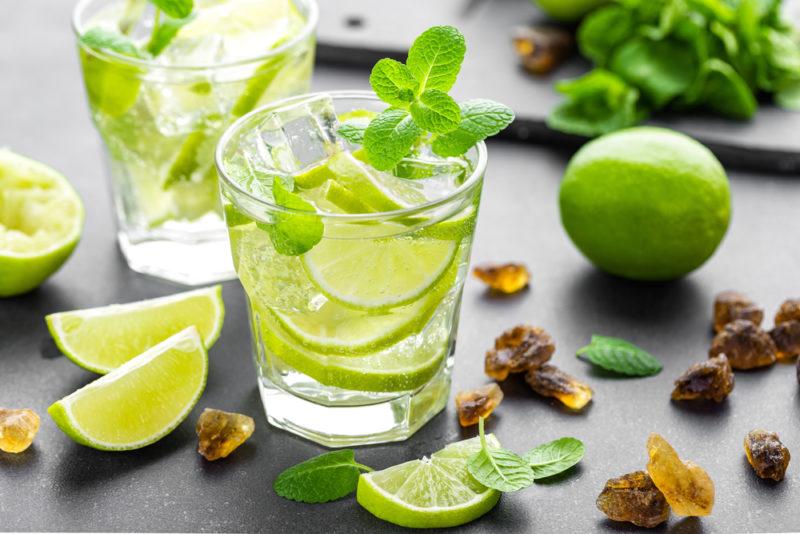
point(102, 39)
point(162, 34)
point(788, 97)
point(499, 469)
point(436, 111)
point(324, 478)
point(435, 57)
point(353, 131)
point(620, 356)
point(389, 138)
point(393, 83)
point(293, 233)
point(177, 9)
point(480, 118)
point(555, 457)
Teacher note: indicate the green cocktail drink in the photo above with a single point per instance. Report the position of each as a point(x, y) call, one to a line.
point(161, 101)
point(353, 275)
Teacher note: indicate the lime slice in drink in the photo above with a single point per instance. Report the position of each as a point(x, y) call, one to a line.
point(435, 492)
point(399, 269)
point(341, 330)
point(402, 367)
point(140, 402)
point(455, 228)
point(41, 219)
point(102, 339)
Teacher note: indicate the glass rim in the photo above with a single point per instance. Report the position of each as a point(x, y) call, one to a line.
point(461, 190)
point(308, 29)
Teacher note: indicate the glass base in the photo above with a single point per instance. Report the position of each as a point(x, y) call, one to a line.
point(394, 419)
point(196, 262)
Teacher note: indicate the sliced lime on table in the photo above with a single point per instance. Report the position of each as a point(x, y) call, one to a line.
point(398, 368)
point(401, 270)
point(41, 219)
point(140, 402)
point(102, 339)
point(433, 492)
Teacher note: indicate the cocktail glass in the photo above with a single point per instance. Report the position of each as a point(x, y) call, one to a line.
point(160, 120)
point(354, 339)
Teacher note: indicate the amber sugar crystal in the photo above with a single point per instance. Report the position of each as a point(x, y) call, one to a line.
point(686, 486)
point(765, 452)
point(789, 311)
point(506, 278)
point(220, 433)
point(786, 333)
point(477, 403)
point(550, 381)
point(708, 380)
point(634, 498)
point(745, 344)
point(18, 428)
point(542, 48)
point(732, 305)
point(518, 350)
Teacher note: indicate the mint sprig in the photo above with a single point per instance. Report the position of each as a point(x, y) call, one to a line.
point(420, 108)
point(620, 356)
point(165, 32)
point(324, 478)
point(103, 39)
point(555, 457)
point(498, 468)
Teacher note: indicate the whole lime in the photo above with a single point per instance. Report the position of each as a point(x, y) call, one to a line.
point(568, 10)
point(645, 203)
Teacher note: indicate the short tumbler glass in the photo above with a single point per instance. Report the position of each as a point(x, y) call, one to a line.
point(160, 124)
point(319, 387)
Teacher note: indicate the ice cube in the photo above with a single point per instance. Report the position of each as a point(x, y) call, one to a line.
point(433, 177)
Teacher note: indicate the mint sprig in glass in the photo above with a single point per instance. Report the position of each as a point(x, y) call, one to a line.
point(351, 216)
point(164, 78)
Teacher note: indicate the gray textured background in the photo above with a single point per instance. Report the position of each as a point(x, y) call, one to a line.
point(58, 485)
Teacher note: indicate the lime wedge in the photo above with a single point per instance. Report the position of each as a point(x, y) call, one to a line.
point(435, 492)
point(41, 219)
point(102, 339)
point(455, 228)
point(402, 367)
point(336, 329)
point(401, 268)
point(140, 402)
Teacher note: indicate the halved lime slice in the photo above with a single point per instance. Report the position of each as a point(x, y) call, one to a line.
point(402, 367)
point(455, 228)
point(140, 402)
point(341, 330)
point(41, 219)
point(377, 273)
point(102, 339)
point(433, 492)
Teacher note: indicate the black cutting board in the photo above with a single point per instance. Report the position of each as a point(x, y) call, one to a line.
point(358, 32)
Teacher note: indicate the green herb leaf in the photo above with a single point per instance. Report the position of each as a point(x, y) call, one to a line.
point(102, 39)
point(788, 97)
point(725, 92)
point(389, 138)
point(435, 57)
point(603, 30)
point(165, 32)
point(393, 82)
point(293, 233)
point(177, 9)
point(436, 112)
point(555, 457)
point(620, 356)
point(480, 118)
point(324, 478)
point(353, 131)
point(499, 469)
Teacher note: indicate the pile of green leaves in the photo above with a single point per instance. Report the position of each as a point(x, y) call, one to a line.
point(169, 17)
point(678, 54)
point(420, 108)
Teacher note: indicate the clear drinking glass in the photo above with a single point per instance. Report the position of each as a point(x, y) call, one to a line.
point(332, 368)
point(160, 122)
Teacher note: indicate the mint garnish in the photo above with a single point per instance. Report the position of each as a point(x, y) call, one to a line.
point(620, 356)
point(555, 457)
point(324, 478)
point(293, 233)
point(102, 39)
point(165, 32)
point(499, 469)
point(176, 9)
point(421, 110)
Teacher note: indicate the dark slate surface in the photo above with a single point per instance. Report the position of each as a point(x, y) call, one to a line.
point(58, 485)
point(359, 31)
